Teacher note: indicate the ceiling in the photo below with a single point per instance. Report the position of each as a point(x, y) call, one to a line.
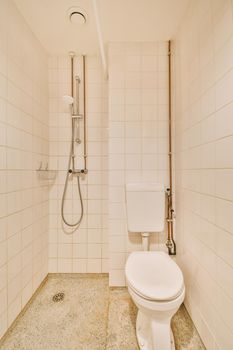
point(120, 20)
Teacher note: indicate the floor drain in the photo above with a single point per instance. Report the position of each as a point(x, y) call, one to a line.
point(58, 297)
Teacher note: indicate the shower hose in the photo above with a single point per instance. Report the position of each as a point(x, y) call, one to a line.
point(78, 222)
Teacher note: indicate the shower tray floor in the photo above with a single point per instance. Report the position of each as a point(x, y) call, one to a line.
point(89, 316)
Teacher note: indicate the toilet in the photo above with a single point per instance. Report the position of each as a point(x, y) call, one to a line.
point(154, 280)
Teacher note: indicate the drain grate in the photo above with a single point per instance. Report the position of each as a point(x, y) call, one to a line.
point(58, 297)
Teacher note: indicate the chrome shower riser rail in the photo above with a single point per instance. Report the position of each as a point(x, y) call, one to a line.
point(75, 117)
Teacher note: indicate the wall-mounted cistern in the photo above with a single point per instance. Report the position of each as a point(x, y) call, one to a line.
point(73, 101)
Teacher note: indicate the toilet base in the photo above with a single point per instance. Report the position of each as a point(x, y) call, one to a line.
point(143, 332)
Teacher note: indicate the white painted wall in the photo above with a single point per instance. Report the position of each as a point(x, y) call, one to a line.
point(204, 166)
point(138, 137)
point(23, 144)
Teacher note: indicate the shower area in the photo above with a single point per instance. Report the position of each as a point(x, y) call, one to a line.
point(78, 150)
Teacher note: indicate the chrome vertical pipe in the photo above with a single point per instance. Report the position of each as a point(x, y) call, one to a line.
point(84, 115)
point(77, 83)
point(72, 55)
point(171, 245)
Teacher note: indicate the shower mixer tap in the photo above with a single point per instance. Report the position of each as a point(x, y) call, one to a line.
point(78, 171)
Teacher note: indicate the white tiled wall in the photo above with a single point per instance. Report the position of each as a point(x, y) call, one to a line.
point(86, 249)
point(138, 137)
point(23, 144)
point(137, 150)
point(204, 166)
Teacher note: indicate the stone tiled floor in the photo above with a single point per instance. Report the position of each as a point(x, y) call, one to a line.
point(91, 317)
point(122, 319)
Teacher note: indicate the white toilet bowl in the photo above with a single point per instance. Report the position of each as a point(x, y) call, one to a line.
point(156, 285)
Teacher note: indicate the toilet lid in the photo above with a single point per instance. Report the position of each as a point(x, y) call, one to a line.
point(154, 275)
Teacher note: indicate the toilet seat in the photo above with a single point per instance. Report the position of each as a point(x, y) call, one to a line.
point(154, 276)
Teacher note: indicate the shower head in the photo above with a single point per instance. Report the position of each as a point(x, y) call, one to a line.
point(69, 100)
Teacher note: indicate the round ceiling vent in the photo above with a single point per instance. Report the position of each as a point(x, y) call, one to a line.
point(77, 15)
